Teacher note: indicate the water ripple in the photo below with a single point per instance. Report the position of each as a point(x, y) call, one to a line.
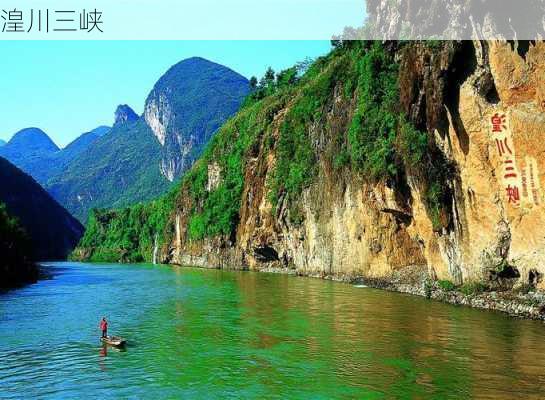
point(216, 334)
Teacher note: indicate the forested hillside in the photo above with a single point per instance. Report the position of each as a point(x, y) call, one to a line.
point(53, 232)
point(16, 266)
point(32, 151)
point(121, 168)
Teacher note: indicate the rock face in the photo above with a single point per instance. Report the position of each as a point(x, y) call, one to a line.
point(454, 19)
point(490, 128)
point(187, 105)
point(483, 105)
point(500, 197)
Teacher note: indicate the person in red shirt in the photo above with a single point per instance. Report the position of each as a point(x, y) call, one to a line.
point(104, 327)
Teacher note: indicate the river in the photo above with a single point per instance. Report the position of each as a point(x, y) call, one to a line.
point(205, 334)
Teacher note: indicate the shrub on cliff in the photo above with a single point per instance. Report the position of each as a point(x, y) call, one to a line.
point(216, 211)
point(446, 285)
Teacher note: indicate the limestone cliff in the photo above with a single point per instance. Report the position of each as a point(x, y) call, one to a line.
point(483, 104)
point(187, 105)
point(380, 161)
point(451, 20)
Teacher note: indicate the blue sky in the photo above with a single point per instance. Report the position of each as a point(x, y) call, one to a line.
point(196, 19)
point(70, 87)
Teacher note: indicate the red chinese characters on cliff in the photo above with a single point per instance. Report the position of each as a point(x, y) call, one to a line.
point(513, 195)
point(505, 151)
point(498, 123)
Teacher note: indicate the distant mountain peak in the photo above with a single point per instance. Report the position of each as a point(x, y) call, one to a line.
point(187, 105)
point(124, 114)
point(196, 60)
point(33, 139)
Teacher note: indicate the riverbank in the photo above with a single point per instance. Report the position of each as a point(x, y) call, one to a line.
point(521, 302)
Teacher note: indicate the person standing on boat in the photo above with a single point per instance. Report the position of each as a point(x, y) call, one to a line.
point(104, 327)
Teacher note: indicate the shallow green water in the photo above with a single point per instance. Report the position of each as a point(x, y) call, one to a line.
point(213, 334)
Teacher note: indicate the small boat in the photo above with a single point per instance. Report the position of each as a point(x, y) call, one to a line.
point(115, 341)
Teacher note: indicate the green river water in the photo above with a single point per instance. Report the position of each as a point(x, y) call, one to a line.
point(205, 334)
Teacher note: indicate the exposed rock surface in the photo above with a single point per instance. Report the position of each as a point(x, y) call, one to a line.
point(471, 97)
point(186, 107)
point(454, 19)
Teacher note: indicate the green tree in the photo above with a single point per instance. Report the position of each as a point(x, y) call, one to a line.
point(253, 83)
point(15, 247)
point(269, 77)
point(287, 77)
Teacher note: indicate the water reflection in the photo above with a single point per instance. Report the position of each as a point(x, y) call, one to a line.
point(103, 352)
point(395, 344)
